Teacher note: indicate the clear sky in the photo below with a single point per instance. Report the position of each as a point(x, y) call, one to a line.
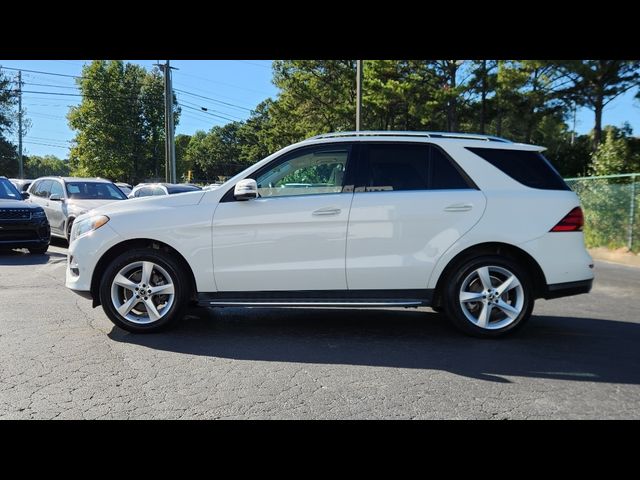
point(234, 87)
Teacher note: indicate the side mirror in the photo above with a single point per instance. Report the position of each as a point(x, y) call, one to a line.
point(246, 189)
point(25, 195)
point(55, 197)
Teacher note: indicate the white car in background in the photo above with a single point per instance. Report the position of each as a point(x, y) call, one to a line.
point(159, 189)
point(471, 225)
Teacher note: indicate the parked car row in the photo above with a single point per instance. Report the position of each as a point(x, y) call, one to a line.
point(31, 210)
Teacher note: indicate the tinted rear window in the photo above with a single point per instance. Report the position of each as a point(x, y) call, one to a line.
point(397, 167)
point(528, 168)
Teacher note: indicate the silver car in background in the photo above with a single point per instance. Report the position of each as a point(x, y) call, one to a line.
point(65, 198)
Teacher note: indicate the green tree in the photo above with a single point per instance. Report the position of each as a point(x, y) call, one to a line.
point(183, 165)
point(321, 94)
point(595, 83)
point(8, 156)
point(613, 156)
point(119, 122)
point(39, 166)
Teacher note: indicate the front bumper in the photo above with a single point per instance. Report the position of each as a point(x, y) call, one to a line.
point(83, 256)
point(25, 234)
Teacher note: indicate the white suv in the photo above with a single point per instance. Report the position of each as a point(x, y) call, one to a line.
point(471, 225)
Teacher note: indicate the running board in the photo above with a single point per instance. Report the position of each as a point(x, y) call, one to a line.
point(344, 299)
point(363, 304)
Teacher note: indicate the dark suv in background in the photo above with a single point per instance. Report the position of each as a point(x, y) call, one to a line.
point(22, 225)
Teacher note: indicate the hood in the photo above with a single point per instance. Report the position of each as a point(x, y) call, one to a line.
point(7, 203)
point(82, 205)
point(151, 203)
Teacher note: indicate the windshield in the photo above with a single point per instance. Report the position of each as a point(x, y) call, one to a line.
point(94, 191)
point(8, 191)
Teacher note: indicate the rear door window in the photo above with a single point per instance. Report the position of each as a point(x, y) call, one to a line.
point(406, 166)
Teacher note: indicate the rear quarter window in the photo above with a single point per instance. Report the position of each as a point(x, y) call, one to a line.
point(526, 167)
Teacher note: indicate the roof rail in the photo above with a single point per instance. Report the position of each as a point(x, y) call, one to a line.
point(391, 133)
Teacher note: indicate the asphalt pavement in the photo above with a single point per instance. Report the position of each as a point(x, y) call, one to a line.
point(579, 357)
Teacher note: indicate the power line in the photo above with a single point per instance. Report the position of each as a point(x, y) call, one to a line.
point(208, 120)
point(254, 63)
point(221, 102)
point(50, 85)
point(213, 100)
point(46, 144)
point(47, 139)
point(208, 113)
point(39, 71)
point(207, 109)
point(223, 83)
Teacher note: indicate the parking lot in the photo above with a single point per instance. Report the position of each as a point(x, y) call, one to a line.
point(59, 358)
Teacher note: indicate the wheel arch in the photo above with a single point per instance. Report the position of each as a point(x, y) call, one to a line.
point(126, 245)
point(494, 248)
point(70, 219)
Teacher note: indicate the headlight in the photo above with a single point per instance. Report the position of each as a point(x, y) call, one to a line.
point(87, 225)
point(38, 214)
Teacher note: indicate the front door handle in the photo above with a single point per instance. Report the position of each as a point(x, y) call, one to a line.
point(459, 207)
point(327, 211)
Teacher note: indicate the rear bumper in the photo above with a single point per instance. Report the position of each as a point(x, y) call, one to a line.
point(568, 289)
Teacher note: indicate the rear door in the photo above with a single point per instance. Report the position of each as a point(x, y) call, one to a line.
point(411, 203)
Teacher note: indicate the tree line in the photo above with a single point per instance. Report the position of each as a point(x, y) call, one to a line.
point(119, 122)
point(529, 101)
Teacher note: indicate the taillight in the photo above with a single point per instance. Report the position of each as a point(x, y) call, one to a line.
point(572, 222)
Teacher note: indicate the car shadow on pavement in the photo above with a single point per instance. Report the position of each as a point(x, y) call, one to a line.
point(562, 348)
point(23, 257)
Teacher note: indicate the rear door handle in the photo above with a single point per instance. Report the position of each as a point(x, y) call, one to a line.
point(459, 207)
point(327, 211)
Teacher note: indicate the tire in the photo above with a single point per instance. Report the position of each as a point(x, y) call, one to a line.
point(169, 303)
point(67, 233)
point(509, 308)
point(39, 250)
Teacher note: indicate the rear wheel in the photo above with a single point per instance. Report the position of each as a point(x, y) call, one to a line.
point(488, 296)
point(142, 291)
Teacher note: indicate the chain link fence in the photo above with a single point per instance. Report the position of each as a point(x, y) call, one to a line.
point(610, 204)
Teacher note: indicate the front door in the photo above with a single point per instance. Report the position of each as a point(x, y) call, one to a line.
point(293, 236)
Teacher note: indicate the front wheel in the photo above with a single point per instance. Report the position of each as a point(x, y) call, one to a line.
point(488, 296)
point(143, 291)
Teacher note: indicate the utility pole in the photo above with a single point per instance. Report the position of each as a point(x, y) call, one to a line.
point(358, 94)
point(169, 142)
point(21, 169)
